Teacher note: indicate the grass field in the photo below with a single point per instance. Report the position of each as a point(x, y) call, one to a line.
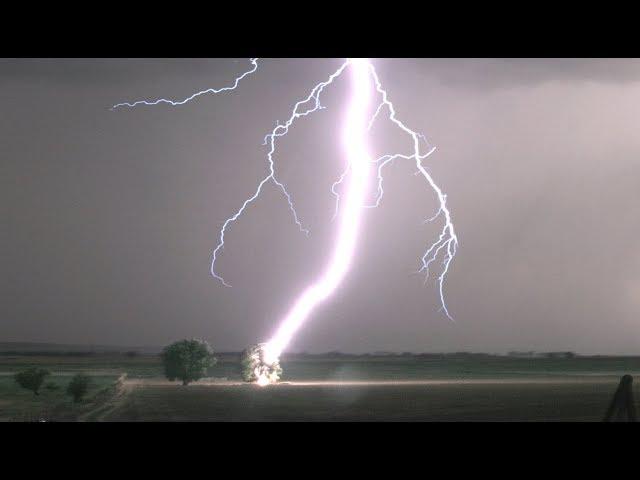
point(17, 404)
point(456, 387)
point(440, 402)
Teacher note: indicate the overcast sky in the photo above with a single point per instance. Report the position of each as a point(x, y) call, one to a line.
point(110, 217)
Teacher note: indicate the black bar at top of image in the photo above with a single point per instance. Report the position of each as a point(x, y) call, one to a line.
point(420, 30)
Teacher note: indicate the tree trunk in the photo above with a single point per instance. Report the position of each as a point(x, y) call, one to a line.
point(185, 382)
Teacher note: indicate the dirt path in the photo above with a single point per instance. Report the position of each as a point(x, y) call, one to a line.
point(111, 401)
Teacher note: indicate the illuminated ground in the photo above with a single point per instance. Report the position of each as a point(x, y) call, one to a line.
point(328, 388)
point(441, 400)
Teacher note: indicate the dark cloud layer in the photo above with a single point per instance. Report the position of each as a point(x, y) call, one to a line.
point(504, 73)
point(470, 72)
point(111, 216)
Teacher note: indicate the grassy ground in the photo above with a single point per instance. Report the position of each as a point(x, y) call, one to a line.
point(575, 389)
point(456, 367)
point(564, 401)
point(344, 368)
point(18, 404)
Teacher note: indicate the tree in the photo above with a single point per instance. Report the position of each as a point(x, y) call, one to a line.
point(255, 368)
point(187, 360)
point(78, 386)
point(31, 379)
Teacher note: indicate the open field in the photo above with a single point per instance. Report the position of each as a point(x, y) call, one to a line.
point(17, 404)
point(441, 401)
point(333, 388)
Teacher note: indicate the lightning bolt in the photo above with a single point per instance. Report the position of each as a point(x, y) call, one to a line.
point(448, 239)
point(175, 103)
point(447, 243)
point(365, 82)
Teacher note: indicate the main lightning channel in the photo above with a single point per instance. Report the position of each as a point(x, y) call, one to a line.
point(355, 147)
point(365, 81)
point(447, 244)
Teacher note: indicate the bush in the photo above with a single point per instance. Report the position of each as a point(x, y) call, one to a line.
point(78, 386)
point(187, 360)
point(31, 379)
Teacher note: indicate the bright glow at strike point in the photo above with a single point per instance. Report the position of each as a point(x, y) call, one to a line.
point(365, 85)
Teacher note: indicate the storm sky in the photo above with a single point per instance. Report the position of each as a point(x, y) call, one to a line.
point(110, 217)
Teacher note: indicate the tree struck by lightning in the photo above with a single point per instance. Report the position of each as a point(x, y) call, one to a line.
point(358, 121)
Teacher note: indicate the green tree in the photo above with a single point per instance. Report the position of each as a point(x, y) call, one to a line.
point(187, 360)
point(78, 386)
point(254, 366)
point(31, 379)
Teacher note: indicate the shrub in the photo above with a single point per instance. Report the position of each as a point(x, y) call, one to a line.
point(31, 379)
point(78, 386)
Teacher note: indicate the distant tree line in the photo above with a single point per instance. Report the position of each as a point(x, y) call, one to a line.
point(533, 354)
point(59, 353)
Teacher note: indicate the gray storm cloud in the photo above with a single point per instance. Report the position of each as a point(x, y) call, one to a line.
point(111, 216)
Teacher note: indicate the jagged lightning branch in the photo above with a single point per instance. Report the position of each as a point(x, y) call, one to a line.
point(174, 103)
point(447, 241)
point(280, 130)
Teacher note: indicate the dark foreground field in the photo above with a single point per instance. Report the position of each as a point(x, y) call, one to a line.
point(330, 388)
point(565, 401)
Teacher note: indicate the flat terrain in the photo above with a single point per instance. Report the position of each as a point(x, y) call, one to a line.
point(326, 388)
point(17, 404)
point(440, 401)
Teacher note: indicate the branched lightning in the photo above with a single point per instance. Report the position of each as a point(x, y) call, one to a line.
point(174, 103)
point(280, 130)
point(447, 239)
point(356, 169)
point(302, 108)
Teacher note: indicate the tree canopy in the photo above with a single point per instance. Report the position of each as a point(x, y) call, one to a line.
point(78, 386)
point(187, 360)
point(31, 379)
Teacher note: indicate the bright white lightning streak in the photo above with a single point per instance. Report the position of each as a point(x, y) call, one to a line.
point(174, 103)
point(280, 130)
point(355, 146)
point(358, 166)
point(358, 169)
point(448, 239)
point(302, 108)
